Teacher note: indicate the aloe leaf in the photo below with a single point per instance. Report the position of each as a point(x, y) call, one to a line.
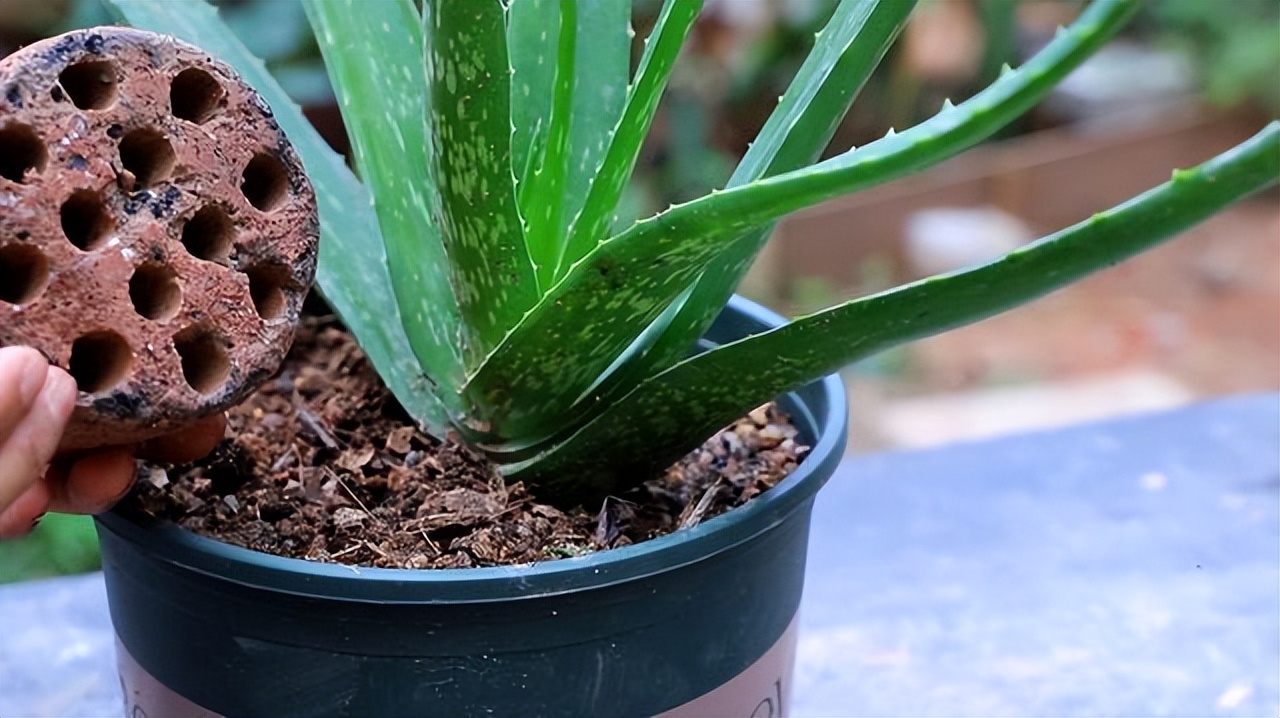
point(584, 69)
point(353, 271)
point(548, 381)
point(532, 41)
point(951, 131)
point(602, 73)
point(524, 387)
point(844, 55)
point(534, 377)
point(469, 149)
point(542, 197)
point(591, 225)
point(373, 51)
point(671, 413)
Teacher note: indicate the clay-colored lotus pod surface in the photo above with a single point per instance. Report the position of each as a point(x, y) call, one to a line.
point(157, 233)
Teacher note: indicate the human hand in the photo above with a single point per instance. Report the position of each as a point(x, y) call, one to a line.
point(36, 401)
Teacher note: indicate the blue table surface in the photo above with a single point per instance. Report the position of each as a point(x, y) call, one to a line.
point(1122, 568)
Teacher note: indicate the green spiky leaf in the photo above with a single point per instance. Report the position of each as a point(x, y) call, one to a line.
point(951, 131)
point(373, 52)
point(591, 225)
point(844, 55)
point(577, 56)
point(524, 387)
point(602, 73)
point(531, 46)
point(469, 149)
point(560, 349)
point(667, 415)
point(542, 196)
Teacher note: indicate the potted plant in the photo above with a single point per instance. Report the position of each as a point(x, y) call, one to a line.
point(478, 264)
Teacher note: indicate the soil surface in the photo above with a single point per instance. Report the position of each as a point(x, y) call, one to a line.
point(323, 464)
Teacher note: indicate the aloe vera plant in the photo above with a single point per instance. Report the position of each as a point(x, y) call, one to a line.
point(479, 260)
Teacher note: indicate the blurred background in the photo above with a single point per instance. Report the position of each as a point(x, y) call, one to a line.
point(1197, 318)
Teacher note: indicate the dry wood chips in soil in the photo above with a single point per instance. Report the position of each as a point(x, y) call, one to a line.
point(323, 464)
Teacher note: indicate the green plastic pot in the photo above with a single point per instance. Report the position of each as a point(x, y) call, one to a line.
point(699, 622)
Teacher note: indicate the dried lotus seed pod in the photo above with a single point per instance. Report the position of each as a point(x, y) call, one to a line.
point(157, 233)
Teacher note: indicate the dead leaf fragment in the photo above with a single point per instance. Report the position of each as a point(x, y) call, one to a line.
point(355, 459)
point(400, 441)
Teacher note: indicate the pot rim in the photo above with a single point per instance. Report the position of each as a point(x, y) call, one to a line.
point(167, 542)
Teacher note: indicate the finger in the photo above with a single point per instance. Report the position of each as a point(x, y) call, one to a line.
point(188, 444)
point(29, 448)
point(94, 483)
point(22, 374)
point(22, 515)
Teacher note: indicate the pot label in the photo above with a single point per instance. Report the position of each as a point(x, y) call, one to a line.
point(761, 691)
point(146, 697)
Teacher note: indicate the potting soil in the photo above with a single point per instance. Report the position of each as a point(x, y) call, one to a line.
point(323, 464)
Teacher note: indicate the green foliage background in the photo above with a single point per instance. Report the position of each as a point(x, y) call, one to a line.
point(60, 545)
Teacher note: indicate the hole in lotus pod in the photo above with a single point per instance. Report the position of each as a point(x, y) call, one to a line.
point(99, 361)
point(24, 273)
point(208, 234)
point(147, 155)
point(90, 85)
point(155, 292)
point(194, 95)
point(265, 183)
point(205, 363)
point(267, 283)
point(21, 151)
point(85, 219)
